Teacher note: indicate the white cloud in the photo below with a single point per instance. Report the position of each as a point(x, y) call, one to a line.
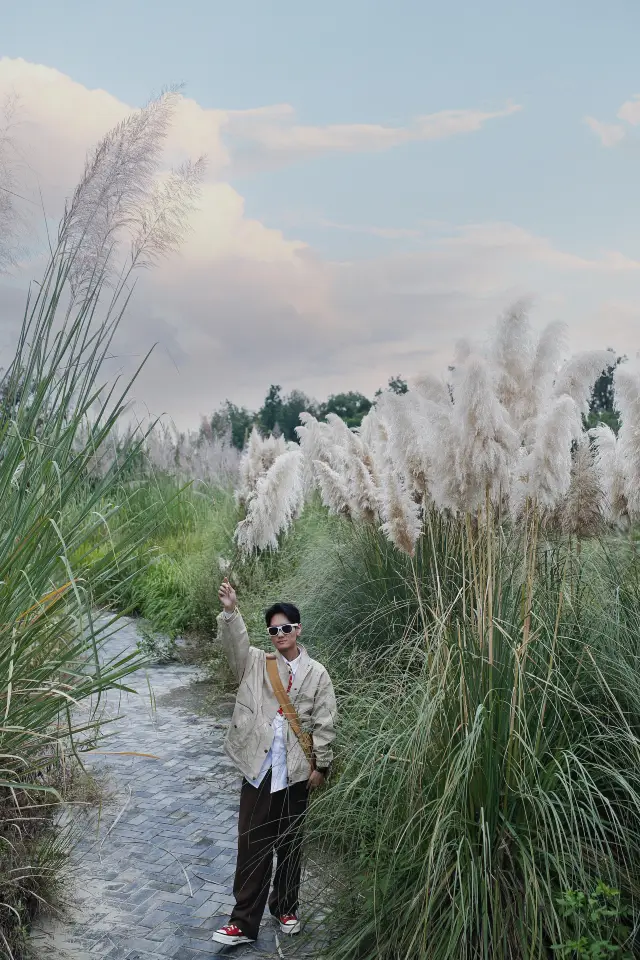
point(610, 134)
point(244, 305)
point(385, 233)
point(630, 111)
point(271, 134)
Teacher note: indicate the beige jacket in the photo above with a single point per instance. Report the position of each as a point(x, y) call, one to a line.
point(250, 733)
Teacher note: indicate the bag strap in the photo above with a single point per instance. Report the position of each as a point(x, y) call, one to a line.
point(282, 696)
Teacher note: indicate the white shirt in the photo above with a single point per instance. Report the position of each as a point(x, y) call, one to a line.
point(276, 759)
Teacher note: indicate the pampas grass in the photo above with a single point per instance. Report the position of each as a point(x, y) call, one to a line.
point(274, 504)
point(482, 772)
point(627, 398)
point(507, 431)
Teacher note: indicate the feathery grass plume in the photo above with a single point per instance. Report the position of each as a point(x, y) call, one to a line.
point(443, 441)
point(318, 440)
point(275, 503)
point(525, 367)
point(250, 466)
point(164, 218)
point(402, 516)
point(486, 442)
point(609, 463)
point(334, 489)
point(511, 352)
point(191, 455)
point(115, 186)
point(258, 457)
point(578, 375)
point(10, 219)
point(582, 510)
point(547, 358)
point(626, 383)
point(431, 388)
point(321, 443)
point(407, 447)
point(548, 354)
point(365, 492)
point(368, 429)
point(119, 195)
point(356, 466)
point(375, 436)
point(544, 474)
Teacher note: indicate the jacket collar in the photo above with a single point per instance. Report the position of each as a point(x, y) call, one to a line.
point(303, 668)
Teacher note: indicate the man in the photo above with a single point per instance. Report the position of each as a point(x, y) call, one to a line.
point(277, 774)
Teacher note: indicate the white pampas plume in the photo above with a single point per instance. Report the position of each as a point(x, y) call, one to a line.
point(406, 447)
point(431, 388)
point(511, 354)
point(401, 514)
point(547, 358)
point(548, 353)
point(626, 384)
point(375, 438)
point(609, 464)
point(364, 492)
point(317, 440)
point(333, 489)
point(250, 466)
point(277, 500)
point(487, 442)
point(373, 433)
point(258, 457)
point(442, 442)
point(578, 375)
point(544, 474)
point(582, 510)
point(462, 351)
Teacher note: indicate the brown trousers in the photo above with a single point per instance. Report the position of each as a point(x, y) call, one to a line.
point(267, 822)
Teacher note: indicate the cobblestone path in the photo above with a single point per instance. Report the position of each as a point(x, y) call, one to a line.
point(152, 874)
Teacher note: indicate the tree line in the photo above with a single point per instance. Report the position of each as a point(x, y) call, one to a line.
point(280, 412)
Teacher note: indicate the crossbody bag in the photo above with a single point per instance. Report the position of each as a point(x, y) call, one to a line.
point(289, 711)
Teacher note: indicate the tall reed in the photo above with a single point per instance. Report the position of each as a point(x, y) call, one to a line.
point(489, 754)
point(55, 413)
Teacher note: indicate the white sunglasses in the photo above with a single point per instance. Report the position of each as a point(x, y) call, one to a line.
point(284, 628)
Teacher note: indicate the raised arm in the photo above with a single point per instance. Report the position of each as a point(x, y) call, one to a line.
point(232, 631)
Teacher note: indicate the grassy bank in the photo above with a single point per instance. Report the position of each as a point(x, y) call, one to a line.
point(488, 741)
point(488, 750)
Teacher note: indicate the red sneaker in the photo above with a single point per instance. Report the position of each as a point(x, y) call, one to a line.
point(230, 935)
point(289, 923)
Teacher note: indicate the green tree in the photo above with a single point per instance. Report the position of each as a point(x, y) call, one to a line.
point(281, 414)
point(234, 422)
point(293, 405)
point(601, 407)
point(351, 406)
point(396, 384)
point(270, 413)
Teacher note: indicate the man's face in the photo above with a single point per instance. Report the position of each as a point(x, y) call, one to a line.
point(285, 643)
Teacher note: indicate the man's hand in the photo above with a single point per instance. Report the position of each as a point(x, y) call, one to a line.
point(228, 596)
point(316, 780)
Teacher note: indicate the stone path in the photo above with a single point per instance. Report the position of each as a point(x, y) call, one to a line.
point(153, 870)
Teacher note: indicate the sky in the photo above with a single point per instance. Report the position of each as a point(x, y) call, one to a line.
point(383, 179)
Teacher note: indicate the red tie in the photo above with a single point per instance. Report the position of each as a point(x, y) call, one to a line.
point(288, 688)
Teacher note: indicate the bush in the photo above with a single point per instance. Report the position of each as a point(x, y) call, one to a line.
point(193, 528)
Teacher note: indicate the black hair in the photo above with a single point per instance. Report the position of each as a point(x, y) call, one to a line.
point(286, 609)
